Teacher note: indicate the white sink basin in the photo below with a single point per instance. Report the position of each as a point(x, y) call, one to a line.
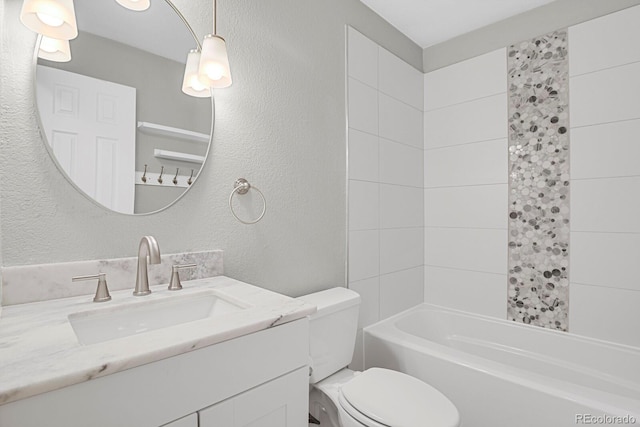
point(105, 324)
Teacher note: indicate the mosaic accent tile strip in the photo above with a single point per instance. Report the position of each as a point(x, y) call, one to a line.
point(538, 90)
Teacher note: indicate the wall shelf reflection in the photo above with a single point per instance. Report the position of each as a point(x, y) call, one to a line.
point(175, 155)
point(188, 135)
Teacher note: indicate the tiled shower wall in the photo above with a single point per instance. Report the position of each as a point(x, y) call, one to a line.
point(604, 69)
point(466, 191)
point(386, 218)
point(466, 181)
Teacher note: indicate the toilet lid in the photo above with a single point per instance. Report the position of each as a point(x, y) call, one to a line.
point(398, 400)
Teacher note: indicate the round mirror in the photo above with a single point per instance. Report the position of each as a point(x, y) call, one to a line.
point(114, 117)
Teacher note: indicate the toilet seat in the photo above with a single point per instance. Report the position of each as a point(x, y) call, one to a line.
point(384, 398)
point(357, 415)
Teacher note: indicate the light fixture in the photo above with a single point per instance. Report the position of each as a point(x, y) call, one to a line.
point(52, 18)
point(54, 49)
point(137, 5)
point(191, 85)
point(214, 69)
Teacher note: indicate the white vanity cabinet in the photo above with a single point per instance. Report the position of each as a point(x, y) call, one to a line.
point(259, 379)
point(278, 403)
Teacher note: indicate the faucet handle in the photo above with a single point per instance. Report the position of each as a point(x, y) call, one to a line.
point(175, 284)
point(102, 291)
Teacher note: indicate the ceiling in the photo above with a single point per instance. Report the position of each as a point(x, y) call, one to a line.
point(429, 22)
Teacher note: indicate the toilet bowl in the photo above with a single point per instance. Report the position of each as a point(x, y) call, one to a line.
point(377, 397)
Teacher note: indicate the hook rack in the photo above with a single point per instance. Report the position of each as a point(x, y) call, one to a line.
point(161, 172)
point(146, 177)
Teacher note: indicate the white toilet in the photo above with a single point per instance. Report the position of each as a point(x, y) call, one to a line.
point(377, 397)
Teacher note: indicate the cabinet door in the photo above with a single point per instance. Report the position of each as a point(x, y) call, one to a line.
point(188, 421)
point(282, 402)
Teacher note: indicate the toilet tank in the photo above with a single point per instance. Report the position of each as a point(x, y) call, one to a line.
point(332, 331)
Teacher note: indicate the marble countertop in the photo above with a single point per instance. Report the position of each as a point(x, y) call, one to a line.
point(40, 352)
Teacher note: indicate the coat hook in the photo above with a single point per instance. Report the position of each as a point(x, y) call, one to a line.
point(190, 180)
point(144, 175)
point(175, 178)
point(161, 172)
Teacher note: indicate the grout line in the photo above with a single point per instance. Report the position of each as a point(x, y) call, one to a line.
point(603, 287)
point(387, 139)
point(466, 101)
point(490, 184)
point(604, 123)
point(612, 67)
point(605, 232)
point(465, 228)
point(505, 138)
point(598, 178)
point(387, 183)
point(401, 270)
point(412, 227)
point(377, 89)
point(402, 143)
point(467, 269)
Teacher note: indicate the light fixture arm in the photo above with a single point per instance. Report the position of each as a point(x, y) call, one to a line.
point(186, 23)
point(215, 17)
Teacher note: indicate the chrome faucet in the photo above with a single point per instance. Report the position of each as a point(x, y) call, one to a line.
point(148, 247)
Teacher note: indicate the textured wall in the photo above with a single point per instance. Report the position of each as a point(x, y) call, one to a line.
point(281, 125)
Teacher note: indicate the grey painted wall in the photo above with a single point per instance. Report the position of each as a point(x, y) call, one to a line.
point(550, 17)
point(281, 125)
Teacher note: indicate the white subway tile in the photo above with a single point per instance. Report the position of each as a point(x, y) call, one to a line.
point(362, 55)
point(606, 259)
point(364, 254)
point(608, 204)
point(363, 156)
point(481, 250)
point(364, 205)
point(469, 164)
point(605, 313)
point(605, 96)
point(400, 80)
point(400, 164)
point(479, 120)
point(400, 291)
point(363, 107)
point(369, 291)
point(481, 293)
point(482, 206)
point(606, 150)
point(401, 206)
point(400, 122)
point(605, 42)
point(478, 77)
point(401, 248)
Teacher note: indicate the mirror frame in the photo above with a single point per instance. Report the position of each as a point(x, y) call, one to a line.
point(45, 141)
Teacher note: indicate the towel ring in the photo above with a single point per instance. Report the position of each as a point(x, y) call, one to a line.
point(241, 187)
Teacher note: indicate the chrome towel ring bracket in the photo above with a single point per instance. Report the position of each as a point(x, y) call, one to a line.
point(241, 187)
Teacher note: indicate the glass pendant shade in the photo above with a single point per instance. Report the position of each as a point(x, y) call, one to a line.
point(214, 68)
point(191, 85)
point(138, 5)
point(54, 50)
point(52, 18)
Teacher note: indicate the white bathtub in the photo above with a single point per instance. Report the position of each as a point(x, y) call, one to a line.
point(504, 374)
